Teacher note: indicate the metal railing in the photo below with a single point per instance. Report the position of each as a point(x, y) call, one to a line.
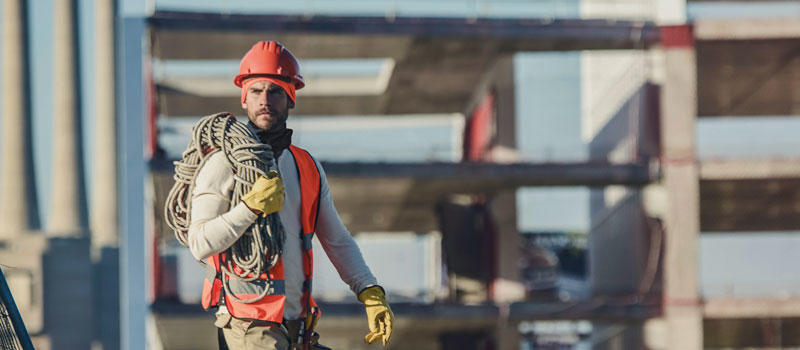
point(13, 334)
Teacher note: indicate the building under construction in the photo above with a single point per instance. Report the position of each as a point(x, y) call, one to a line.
point(569, 174)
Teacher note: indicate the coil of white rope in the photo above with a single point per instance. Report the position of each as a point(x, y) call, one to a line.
point(261, 246)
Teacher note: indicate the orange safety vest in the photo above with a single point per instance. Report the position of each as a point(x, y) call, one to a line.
point(270, 307)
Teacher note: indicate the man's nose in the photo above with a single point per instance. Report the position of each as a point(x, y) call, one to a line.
point(262, 100)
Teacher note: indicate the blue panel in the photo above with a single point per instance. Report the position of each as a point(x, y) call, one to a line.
point(133, 174)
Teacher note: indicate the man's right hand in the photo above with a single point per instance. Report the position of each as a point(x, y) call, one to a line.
point(266, 196)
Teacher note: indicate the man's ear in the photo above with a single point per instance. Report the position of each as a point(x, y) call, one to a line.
point(244, 106)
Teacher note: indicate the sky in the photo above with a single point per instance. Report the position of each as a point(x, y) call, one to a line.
point(548, 88)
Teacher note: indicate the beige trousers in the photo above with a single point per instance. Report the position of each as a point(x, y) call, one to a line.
point(249, 335)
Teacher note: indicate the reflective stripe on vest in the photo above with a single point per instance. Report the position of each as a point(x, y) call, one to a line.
point(270, 308)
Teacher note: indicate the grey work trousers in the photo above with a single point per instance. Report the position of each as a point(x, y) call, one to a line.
point(250, 335)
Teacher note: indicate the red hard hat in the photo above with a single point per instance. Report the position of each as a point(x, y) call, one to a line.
point(270, 58)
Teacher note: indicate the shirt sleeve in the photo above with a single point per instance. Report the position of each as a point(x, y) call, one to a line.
point(214, 225)
point(339, 244)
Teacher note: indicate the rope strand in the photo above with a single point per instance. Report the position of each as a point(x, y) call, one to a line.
point(260, 248)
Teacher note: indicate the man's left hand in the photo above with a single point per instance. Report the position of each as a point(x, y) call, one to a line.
point(379, 315)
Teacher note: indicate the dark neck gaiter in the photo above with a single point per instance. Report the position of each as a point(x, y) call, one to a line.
point(278, 137)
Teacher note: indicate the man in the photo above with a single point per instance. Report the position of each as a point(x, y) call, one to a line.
point(269, 77)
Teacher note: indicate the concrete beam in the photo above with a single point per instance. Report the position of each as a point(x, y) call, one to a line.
point(472, 177)
point(599, 308)
point(566, 34)
point(502, 176)
point(749, 169)
point(730, 308)
point(747, 29)
point(225, 44)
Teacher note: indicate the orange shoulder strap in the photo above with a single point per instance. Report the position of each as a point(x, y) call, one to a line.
point(310, 184)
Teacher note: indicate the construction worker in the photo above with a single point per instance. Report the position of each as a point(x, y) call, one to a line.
point(284, 317)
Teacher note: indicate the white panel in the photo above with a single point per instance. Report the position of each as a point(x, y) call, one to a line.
point(747, 265)
point(620, 9)
point(608, 80)
point(614, 102)
point(407, 265)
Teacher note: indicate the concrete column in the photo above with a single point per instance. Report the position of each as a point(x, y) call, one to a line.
point(682, 312)
point(507, 285)
point(16, 179)
point(103, 216)
point(66, 195)
point(68, 298)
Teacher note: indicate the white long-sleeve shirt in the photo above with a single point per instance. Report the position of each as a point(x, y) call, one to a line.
point(215, 226)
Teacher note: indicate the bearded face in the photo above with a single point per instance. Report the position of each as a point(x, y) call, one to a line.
point(267, 104)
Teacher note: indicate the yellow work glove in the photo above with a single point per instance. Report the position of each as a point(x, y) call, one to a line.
point(266, 196)
point(379, 315)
